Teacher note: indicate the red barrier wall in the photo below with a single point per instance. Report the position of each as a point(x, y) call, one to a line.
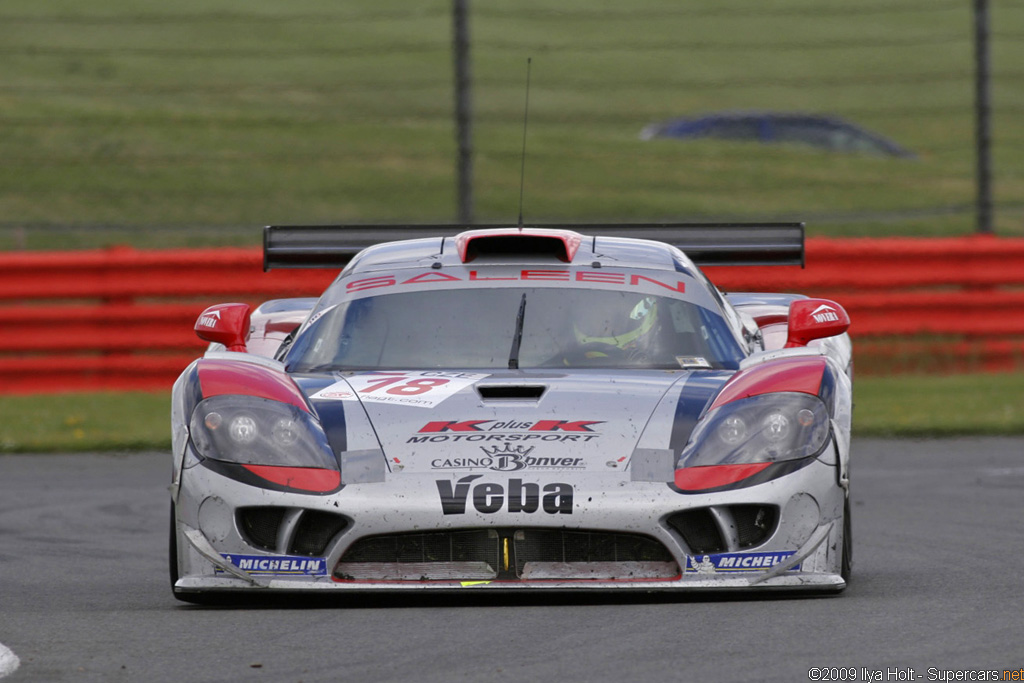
point(919, 305)
point(122, 318)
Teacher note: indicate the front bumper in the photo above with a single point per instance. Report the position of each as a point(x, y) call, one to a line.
point(802, 553)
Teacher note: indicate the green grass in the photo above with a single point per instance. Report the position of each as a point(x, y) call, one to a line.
point(195, 123)
point(105, 421)
point(937, 406)
point(906, 406)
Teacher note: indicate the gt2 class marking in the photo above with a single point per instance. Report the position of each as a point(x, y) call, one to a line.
point(489, 498)
point(423, 389)
point(526, 275)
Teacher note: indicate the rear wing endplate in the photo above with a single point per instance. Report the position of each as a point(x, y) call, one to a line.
point(707, 244)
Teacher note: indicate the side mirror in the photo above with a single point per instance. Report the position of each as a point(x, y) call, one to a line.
point(226, 324)
point(811, 319)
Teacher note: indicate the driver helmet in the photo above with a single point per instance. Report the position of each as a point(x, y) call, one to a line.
point(630, 332)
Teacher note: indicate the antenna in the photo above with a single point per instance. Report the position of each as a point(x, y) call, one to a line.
point(522, 167)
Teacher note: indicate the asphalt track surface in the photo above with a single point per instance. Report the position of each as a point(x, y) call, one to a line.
point(937, 588)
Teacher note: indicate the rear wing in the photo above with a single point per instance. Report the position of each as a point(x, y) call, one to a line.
point(707, 244)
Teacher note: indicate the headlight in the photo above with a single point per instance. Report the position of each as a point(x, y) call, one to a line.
point(761, 429)
point(254, 431)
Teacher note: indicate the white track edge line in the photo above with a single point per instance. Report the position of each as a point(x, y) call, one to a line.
point(8, 661)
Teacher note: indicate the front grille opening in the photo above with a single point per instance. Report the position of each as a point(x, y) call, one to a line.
point(458, 555)
point(699, 530)
point(259, 526)
point(314, 531)
point(507, 555)
point(556, 545)
point(430, 547)
point(563, 554)
point(754, 523)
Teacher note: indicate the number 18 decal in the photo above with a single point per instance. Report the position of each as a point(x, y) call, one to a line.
point(424, 389)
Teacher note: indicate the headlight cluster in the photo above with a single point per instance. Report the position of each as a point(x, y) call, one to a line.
point(254, 431)
point(760, 429)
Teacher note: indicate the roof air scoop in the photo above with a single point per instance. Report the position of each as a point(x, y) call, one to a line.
point(511, 392)
point(518, 242)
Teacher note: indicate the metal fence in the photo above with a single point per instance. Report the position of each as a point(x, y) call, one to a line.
point(184, 126)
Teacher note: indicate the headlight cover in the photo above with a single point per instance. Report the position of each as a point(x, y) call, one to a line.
point(247, 430)
point(767, 428)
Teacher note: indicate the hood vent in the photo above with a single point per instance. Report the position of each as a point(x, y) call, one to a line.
point(511, 392)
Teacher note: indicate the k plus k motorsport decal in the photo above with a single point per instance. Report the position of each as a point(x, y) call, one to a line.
point(489, 498)
point(562, 431)
point(418, 389)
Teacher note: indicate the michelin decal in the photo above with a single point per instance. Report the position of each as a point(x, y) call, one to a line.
point(279, 565)
point(737, 562)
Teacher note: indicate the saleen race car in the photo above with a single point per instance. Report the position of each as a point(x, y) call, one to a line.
point(513, 408)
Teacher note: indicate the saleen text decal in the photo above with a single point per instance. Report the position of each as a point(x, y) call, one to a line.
point(527, 275)
point(489, 498)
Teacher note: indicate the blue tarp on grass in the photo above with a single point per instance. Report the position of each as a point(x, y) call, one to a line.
point(827, 132)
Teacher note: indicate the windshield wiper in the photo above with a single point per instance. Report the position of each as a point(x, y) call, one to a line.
point(517, 338)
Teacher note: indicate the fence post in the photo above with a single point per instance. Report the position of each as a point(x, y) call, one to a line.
point(983, 133)
point(463, 112)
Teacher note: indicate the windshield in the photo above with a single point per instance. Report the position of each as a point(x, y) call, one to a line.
point(513, 327)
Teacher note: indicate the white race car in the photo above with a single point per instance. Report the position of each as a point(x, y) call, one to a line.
point(516, 408)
